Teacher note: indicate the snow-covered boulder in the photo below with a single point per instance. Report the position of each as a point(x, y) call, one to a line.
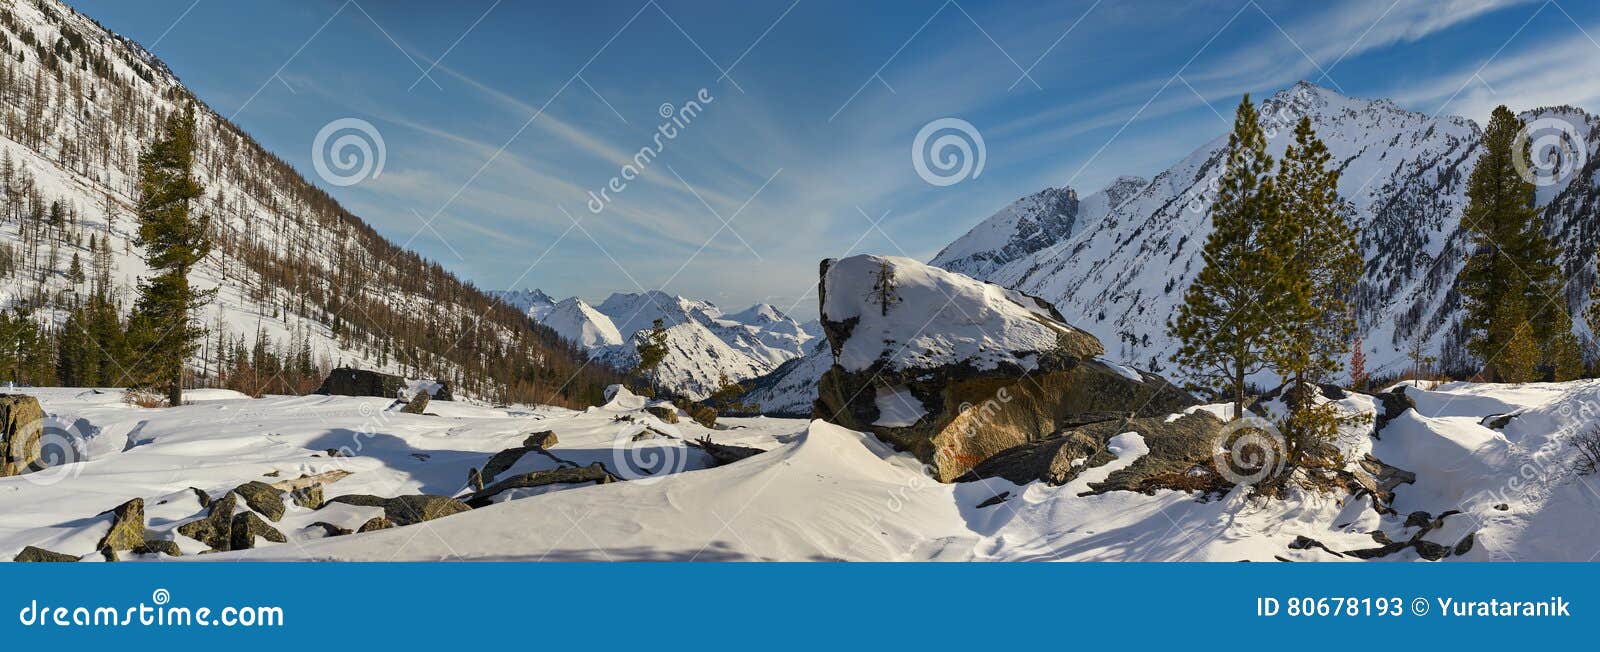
point(956, 370)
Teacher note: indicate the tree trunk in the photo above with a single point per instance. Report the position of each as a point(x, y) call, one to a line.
point(175, 392)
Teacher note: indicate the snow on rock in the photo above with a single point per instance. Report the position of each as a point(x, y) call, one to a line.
point(820, 492)
point(935, 318)
point(897, 407)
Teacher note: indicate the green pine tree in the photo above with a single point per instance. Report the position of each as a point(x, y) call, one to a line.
point(1319, 263)
point(651, 345)
point(174, 240)
point(1224, 323)
point(1510, 282)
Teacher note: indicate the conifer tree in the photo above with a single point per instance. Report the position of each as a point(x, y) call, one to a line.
point(1224, 325)
point(1510, 281)
point(651, 345)
point(1319, 263)
point(1358, 366)
point(174, 241)
point(1310, 238)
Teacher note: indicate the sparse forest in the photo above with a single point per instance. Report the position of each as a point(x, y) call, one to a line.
point(325, 287)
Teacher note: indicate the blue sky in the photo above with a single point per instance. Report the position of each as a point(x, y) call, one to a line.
point(498, 118)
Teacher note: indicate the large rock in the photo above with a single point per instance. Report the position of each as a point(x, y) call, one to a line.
point(595, 473)
point(20, 421)
point(406, 510)
point(417, 405)
point(956, 370)
point(247, 526)
point(266, 499)
point(127, 527)
point(32, 553)
point(347, 381)
point(1180, 457)
point(216, 528)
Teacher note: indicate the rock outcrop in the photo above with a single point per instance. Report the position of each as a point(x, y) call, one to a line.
point(1180, 456)
point(406, 510)
point(215, 529)
point(956, 370)
point(417, 405)
point(127, 527)
point(263, 498)
point(347, 381)
point(595, 473)
point(36, 554)
point(20, 420)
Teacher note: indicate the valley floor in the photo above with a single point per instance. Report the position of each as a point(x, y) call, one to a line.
point(820, 492)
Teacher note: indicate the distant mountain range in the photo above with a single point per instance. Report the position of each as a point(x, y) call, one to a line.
point(705, 345)
point(1116, 262)
point(1121, 272)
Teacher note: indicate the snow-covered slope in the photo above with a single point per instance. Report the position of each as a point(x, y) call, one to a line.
point(1030, 224)
point(1121, 275)
point(940, 318)
point(581, 323)
point(705, 346)
point(819, 493)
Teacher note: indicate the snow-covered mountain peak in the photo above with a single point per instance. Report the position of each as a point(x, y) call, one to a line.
point(759, 314)
point(1404, 174)
point(581, 323)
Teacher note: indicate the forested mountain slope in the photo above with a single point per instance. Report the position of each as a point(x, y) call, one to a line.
point(302, 284)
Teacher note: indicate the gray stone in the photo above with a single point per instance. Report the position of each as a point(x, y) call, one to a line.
point(724, 453)
point(216, 528)
point(663, 412)
point(308, 497)
point(20, 417)
point(376, 523)
point(34, 554)
point(544, 439)
point(330, 530)
point(406, 510)
point(159, 546)
point(127, 527)
point(264, 498)
point(565, 475)
point(417, 405)
point(247, 526)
